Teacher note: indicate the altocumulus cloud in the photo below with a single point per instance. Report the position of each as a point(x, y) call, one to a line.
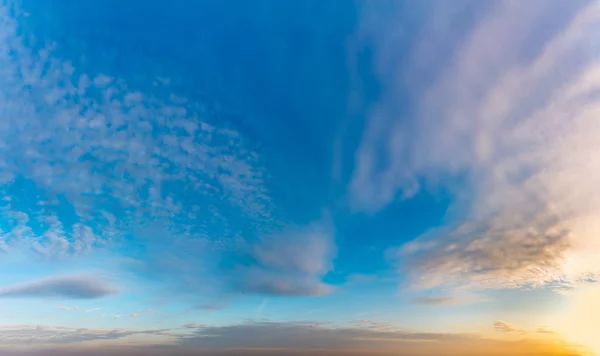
point(72, 287)
point(184, 176)
point(510, 114)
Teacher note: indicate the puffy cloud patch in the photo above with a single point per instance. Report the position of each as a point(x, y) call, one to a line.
point(138, 166)
point(117, 158)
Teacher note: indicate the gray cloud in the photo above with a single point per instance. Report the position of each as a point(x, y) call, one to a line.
point(307, 335)
point(282, 285)
point(367, 337)
point(19, 335)
point(434, 300)
point(71, 287)
point(192, 325)
point(513, 127)
point(505, 327)
point(451, 299)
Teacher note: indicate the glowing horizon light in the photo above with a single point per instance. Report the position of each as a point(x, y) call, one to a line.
point(579, 322)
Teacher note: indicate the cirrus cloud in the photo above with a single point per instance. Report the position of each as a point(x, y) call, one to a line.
point(510, 118)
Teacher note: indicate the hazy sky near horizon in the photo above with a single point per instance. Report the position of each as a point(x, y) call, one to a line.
point(360, 177)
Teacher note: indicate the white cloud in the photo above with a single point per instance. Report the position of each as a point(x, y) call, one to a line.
point(68, 308)
point(128, 162)
point(513, 112)
point(104, 147)
point(291, 262)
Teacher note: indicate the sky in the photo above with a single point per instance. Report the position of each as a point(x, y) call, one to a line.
point(299, 177)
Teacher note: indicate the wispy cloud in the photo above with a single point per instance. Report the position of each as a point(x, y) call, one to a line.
point(192, 325)
point(291, 262)
point(505, 327)
point(72, 287)
point(434, 300)
point(92, 310)
point(508, 115)
point(448, 299)
point(68, 308)
point(49, 335)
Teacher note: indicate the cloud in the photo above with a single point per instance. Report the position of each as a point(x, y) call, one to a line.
point(139, 165)
point(510, 129)
point(450, 299)
point(291, 262)
point(130, 161)
point(48, 335)
point(543, 330)
point(70, 287)
point(192, 325)
point(68, 308)
point(368, 337)
point(505, 327)
point(92, 310)
point(434, 300)
point(271, 338)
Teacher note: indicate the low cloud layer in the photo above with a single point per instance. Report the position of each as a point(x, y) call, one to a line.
point(274, 338)
point(69, 287)
point(508, 114)
point(367, 337)
point(32, 335)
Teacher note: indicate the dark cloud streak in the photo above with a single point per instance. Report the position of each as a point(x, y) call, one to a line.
point(70, 287)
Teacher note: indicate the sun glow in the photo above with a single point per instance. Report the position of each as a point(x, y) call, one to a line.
point(580, 321)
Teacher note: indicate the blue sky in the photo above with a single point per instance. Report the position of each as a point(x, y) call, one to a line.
point(388, 170)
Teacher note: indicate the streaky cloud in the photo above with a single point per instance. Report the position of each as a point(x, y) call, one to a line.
point(291, 262)
point(510, 129)
point(69, 287)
